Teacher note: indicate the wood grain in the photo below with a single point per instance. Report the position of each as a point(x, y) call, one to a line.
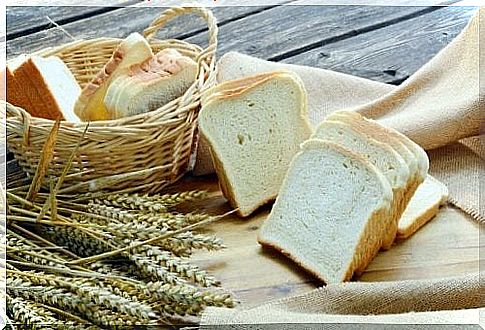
point(394, 52)
point(284, 29)
point(26, 20)
point(448, 245)
point(122, 22)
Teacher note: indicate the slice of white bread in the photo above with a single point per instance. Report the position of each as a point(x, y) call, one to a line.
point(254, 129)
point(132, 50)
point(424, 205)
point(151, 84)
point(381, 155)
point(331, 213)
point(15, 93)
point(49, 86)
point(414, 155)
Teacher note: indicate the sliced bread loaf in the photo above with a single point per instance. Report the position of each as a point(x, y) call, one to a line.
point(149, 85)
point(331, 214)
point(133, 50)
point(49, 86)
point(414, 155)
point(381, 155)
point(424, 205)
point(254, 128)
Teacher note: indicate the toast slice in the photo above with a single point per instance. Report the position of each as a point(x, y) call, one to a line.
point(49, 86)
point(132, 50)
point(331, 214)
point(424, 205)
point(151, 84)
point(381, 155)
point(254, 129)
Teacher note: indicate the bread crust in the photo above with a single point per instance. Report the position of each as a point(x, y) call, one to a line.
point(232, 89)
point(376, 224)
point(44, 104)
point(15, 94)
point(237, 84)
point(383, 134)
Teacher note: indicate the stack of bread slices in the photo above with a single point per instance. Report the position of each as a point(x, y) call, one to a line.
point(133, 81)
point(353, 179)
point(341, 190)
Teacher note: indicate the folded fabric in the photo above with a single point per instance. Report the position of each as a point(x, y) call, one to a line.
point(437, 107)
point(405, 302)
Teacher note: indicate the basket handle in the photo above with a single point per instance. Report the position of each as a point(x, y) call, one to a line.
point(174, 12)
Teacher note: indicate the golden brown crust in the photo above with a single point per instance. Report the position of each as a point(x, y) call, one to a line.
point(402, 199)
point(373, 227)
point(223, 181)
point(15, 93)
point(234, 88)
point(44, 104)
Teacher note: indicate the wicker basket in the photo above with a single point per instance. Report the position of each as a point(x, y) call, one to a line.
point(144, 152)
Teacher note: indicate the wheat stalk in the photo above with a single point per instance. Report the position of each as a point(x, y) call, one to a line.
point(85, 288)
point(177, 265)
point(28, 313)
point(188, 241)
point(154, 203)
point(64, 299)
point(75, 240)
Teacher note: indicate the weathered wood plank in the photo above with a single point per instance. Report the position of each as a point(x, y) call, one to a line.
point(122, 22)
point(285, 29)
point(394, 52)
point(26, 20)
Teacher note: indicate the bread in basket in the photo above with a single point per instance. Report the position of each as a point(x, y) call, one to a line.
point(143, 152)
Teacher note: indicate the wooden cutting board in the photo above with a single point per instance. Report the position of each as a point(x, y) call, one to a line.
point(446, 246)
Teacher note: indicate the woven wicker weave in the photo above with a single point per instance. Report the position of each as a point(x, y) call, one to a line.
point(144, 152)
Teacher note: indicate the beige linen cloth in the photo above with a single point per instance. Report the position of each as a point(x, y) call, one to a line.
point(441, 108)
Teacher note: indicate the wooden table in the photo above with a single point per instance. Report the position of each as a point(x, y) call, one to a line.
point(386, 44)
